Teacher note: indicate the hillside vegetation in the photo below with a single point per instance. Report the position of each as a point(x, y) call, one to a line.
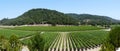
point(40, 16)
point(53, 17)
point(94, 19)
point(56, 28)
point(7, 33)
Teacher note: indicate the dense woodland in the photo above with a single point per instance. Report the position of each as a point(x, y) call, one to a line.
point(47, 16)
point(113, 40)
point(41, 16)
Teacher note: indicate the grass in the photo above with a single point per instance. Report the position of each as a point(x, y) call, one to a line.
point(7, 33)
point(56, 28)
point(49, 37)
point(113, 26)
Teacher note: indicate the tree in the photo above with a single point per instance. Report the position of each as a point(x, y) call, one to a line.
point(37, 43)
point(113, 41)
point(115, 37)
point(15, 44)
point(4, 44)
point(107, 47)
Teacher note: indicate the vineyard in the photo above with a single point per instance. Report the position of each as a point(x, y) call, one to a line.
point(7, 33)
point(74, 41)
point(71, 38)
point(56, 28)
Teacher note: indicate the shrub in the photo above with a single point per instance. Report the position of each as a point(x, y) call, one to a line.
point(37, 43)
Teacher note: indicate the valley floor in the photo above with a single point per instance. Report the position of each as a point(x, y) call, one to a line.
point(64, 43)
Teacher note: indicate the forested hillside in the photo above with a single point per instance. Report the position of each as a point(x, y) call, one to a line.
point(47, 16)
point(41, 16)
point(94, 19)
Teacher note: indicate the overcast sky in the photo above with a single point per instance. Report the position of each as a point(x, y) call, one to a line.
point(15, 8)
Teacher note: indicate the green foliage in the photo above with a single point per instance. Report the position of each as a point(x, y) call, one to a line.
point(15, 44)
point(107, 47)
point(88, 39)
point(113, 40)
point(56, 28)
point(8, 32)
point(115, 37)
point(4, 44)
point(94, 19)
point(37, 43)
point(53, 17)
point(12, 44)
point(49, 38)
point(82, 39)
point(41, 16)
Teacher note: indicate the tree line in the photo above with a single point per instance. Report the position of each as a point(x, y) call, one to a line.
point(113, 40)
point(88, 19)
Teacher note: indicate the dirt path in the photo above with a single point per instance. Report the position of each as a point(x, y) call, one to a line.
point(71, 44)
point(56, 44)
point(118, 49)
point(29, 37)
point(57, 47)
point(25, 38)
point(61, 45)
point(94, 49)
point(107, 29)
point(68, 45)
point(25, 48)
point(65, 46)
point(64, 42)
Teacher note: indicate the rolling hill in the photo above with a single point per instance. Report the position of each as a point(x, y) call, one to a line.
point(41, 16)
point(47, 16)
point(94, 19)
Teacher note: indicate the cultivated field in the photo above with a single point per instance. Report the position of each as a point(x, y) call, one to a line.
point(7, 33)
point(76, 41)
point(60, 38)
point(56, 28)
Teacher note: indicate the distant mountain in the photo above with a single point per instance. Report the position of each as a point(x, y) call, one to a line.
point(94, 19)
point(40, 16)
